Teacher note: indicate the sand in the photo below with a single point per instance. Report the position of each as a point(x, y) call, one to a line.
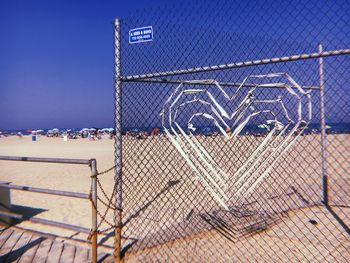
point(65, 177)
point(164, 205)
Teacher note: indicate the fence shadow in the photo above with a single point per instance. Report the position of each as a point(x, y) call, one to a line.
point(16, 254)
point(139, 211)
point(236, 224)
point(338, 219)
point(26, 212)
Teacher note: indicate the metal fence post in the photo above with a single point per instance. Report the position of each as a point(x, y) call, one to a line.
point(118, 141)
point(323, 131)
point(94, 209)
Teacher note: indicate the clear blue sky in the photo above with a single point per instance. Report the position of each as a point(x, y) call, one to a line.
point(56, 57)
point(56, 62)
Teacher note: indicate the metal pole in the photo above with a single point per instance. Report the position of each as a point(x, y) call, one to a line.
point(94, 209)
point(228, 84)
point(43, 190)
point(118, 141)
point(240, 64)
point(44, 160)
point(323, 131)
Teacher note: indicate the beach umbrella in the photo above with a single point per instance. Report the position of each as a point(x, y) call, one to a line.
point(103, 131)
point(107, 130)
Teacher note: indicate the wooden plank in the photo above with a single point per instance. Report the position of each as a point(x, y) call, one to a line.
point(68, 253)
point(43, 250)
point(29, 254)
point(55, 252)
point(22, 247)
point(81, 255)
point(19, 248)
point(4, 236)
point(9, 244)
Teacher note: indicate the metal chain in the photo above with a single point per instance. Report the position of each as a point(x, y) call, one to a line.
point(109, 204)
point(106, 171)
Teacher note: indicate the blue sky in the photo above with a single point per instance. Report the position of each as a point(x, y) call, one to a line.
point(56, 57)
point(56, 62)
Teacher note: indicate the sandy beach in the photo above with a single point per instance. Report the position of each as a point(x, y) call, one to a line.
point(75, 178)
point(171, 218)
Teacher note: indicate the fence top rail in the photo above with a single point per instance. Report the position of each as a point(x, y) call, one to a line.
point(228, 84)
point(46, 160)
point(238, 64)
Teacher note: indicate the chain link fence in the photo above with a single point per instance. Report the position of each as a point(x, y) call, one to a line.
point(233, 128)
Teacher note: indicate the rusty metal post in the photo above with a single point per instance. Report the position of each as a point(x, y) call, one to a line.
point(118, 141)
point(93, 166)
point(323, 131)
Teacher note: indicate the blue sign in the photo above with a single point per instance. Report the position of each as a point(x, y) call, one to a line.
point(141, 34)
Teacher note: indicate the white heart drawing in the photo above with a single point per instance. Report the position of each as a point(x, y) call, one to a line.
point(279, 139)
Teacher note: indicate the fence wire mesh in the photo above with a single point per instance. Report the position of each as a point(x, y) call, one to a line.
point(224, 163)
